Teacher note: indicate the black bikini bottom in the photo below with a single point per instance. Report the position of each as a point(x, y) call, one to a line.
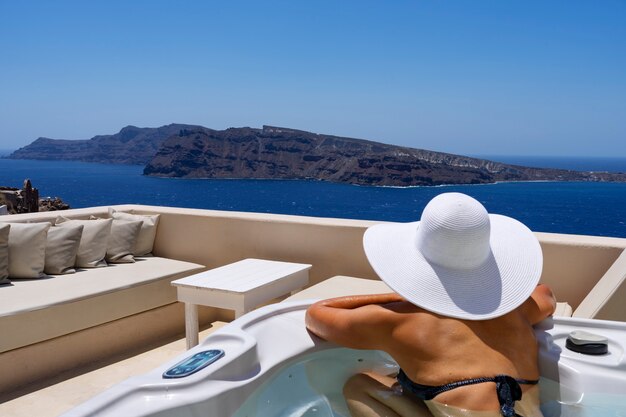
point(507, 389)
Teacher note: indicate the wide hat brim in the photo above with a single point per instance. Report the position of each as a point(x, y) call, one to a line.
point(497, 286)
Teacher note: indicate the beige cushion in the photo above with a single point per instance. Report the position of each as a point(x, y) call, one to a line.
point(4, 253)
point(27, 249)
point(340, 286)
point(122, 241)
point(61, 249)
point(145, 241)
point(93, 242)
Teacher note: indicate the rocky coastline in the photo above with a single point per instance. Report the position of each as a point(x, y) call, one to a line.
point(189, 151)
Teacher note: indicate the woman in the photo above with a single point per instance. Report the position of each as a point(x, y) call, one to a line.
point(460, 321)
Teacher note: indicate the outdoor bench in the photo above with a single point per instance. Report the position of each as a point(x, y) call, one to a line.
point(60, 322)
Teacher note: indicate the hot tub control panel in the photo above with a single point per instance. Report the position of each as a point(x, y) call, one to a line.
point(193, 363)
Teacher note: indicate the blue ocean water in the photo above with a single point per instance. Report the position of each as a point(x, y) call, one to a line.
point(559, 207)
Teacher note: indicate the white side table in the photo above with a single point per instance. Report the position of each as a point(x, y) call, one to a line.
point(239, 286)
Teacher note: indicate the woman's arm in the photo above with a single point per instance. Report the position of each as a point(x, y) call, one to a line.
point(354, 301)
point(357, 322)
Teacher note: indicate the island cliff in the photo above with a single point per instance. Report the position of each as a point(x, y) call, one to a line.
point(132, 145)
point(283, 153)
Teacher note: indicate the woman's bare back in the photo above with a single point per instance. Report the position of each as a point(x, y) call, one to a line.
point(435, 350)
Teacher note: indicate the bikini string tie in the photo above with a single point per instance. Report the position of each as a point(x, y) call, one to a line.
point(508, 391)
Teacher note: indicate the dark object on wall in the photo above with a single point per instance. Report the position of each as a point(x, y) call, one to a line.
point(26, 200)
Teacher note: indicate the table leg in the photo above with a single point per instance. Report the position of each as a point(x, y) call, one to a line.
point(191, 324)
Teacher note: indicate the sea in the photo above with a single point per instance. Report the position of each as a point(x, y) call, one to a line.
point(560, 207)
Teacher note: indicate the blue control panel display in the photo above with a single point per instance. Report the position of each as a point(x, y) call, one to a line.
point(193, 363)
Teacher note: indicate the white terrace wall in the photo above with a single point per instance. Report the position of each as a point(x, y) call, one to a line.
point(573, 264)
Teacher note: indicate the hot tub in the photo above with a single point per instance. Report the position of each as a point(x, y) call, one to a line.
point(273, 367)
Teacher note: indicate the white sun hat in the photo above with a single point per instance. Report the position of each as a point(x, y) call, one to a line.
point(458, 260)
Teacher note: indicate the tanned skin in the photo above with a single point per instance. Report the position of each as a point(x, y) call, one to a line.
point(434, 349)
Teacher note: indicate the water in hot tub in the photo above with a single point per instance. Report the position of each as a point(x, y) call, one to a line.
point(312, 387)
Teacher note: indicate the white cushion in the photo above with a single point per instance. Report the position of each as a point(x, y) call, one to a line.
point(4, 253)
point(61, 248)
point(145, 241)
point(93, 242)
point(27, 249)
point(563, 309)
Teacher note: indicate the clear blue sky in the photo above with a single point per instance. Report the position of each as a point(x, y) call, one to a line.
point(466, 77)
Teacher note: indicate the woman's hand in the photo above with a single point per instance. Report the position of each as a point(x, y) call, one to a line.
point(540, 305)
